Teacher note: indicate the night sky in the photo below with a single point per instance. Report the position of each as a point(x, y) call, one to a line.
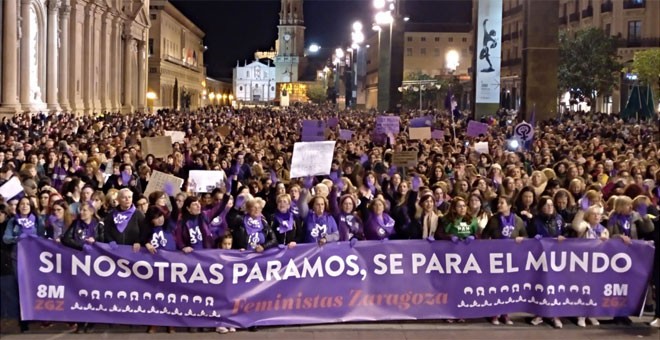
point(236, 29)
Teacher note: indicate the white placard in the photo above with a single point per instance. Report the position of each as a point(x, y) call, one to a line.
point(524, 132)
point(488, 49)
point(481, 147)
point(12, 188)
point(312, 158)
point(177, 136)
point(159, 180)
point(205, 180)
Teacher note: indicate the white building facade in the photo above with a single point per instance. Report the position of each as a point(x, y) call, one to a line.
point(81, 56)
point(254, 82)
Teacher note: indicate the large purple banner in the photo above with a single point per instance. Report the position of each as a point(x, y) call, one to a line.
point(374, 280)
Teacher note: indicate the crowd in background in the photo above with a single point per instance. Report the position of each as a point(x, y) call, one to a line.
point(583, 176)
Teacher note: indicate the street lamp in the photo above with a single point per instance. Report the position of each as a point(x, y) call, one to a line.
point(151, 96)
point(452, 60)
point(212, 98)
point(314, 48)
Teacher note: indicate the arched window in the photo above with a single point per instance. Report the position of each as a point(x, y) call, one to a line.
point(240, 88)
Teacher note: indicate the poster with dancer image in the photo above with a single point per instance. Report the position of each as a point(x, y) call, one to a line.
point(488, 50)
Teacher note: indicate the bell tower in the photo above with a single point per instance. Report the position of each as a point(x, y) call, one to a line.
point(290, 56)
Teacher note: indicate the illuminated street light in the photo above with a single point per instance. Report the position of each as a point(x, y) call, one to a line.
point(379, 4)
point(339, 53)
point(452, 60)
point(314, 48)
point(384, 18)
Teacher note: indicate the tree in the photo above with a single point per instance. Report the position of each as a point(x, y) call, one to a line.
point(588, 63)
point(431, 95)
point(316, 93)
point(646, 64)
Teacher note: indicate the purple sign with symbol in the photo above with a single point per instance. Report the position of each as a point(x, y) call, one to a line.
point(370, 281)
point(333, 122)
point(474, 129)
point(438, 134)
point(345, 134)
point(421, 121)
point(387, 124)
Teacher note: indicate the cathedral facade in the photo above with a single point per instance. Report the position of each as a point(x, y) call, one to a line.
point(80, 56)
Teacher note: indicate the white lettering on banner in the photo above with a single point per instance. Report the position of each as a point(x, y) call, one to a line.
point(600, 262)
point(312, 158)
point(195, 235)
point(291, 270)
point(158, 239)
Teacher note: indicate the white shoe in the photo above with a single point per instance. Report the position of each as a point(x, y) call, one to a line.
point(655, 323)
point(594, 321)
point(232, 330)
point(581, 322)
point(537, 321)
point(222, 330)
point(557, 323)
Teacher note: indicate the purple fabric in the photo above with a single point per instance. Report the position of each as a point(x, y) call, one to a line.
point(285, 221)
point(195, 229)
point(125, 178)
point(414, 277)
point(28, 224)
point(121, 218)
point(57, 225)
point(474, 129)
point(624, 222)
point(255, 231)
point(508, 224)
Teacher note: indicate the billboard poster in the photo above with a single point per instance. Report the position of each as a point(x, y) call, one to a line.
point(488, 52)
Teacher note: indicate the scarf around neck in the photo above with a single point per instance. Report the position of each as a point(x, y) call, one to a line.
point(285, 221)
point(507, 225)
point(121, 218)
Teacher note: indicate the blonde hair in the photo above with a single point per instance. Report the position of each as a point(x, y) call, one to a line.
point(621, 203)
point(255, 201)
point(283, 197)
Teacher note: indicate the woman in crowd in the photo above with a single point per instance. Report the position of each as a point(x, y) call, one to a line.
point(476, 208)
point(125, 224)
point(427, 217)
point(320, 226)
point(458, 224)
point(254, 233)
point(546, 224)
point(288, 227)
point(525, 204)
point(192, 230)
point(58, 221)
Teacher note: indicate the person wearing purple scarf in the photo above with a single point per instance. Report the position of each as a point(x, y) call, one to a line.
point(85, 230)
point(255, 233)
point(285, 224)
point(348, 222)
point(125, 224)
point(627, 224)
point(504, 224)
point(25, 222)
point(320, 226)
point(379, 225)
point(58, 221)
point(192, 231)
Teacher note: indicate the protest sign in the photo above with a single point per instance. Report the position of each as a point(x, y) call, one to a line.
point(177, 136)
point(438, 134)
point(160, 180)
point(312, 158)
point(524, 132)
point(474, 129)
point(387, 124)
point(11, 188)
point(481, 147)
point(313, 130)
point(345, 134)
point(223, 131)
point(205, 180)
point(419, 133)
point(421, 121)
point(339, 282)
point(160, 146)
point(404, 158)
point(333, 122)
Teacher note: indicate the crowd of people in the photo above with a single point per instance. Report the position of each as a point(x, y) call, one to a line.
point(584, 175)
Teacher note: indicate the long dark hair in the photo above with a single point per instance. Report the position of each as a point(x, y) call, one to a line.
point(153, 213)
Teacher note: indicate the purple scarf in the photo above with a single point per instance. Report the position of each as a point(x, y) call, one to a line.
point(125, 178)
point(57, 225)
point(88, 230)
point(121, 218)
point(294, 208)
point(624, 222)
point(255, 231)
point(194, 226)
point(385, 224)
point(507, 225)
point(27, 223)
point(593, 233)
point(285, 221)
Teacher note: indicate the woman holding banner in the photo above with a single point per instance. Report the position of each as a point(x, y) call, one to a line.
point(320, 226)
point(546, 224)
point(254, 233)
point(504, 225)
point(288, 227)
point(192, 231)
point(379, 225)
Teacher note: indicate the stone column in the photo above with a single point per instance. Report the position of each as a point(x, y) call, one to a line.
point(88, 60)
point(142, 76)
point(63, 76)
point(9, 57)
point(51, 67)
point(97, 67)
point(25, 54)
point(128, 73)
point(116, 62)
point(76, 64)
point(106, 41)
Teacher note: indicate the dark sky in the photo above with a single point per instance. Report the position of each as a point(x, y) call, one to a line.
point(236, 29)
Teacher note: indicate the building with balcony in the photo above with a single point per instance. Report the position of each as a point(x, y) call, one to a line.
point(634, 22)
point(176, 59)
point(425, 51)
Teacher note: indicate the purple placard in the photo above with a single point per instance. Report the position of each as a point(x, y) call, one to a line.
point(438, 134)
point(421, 121)
point(313, 131)
point(387, 124)
point(333, 122)
point(345, 134)
point(474, 128)
point(371, 281)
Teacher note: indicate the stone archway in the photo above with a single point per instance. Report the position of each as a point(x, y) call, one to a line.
point(37, 53)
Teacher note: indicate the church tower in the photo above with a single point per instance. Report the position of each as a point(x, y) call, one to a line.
point(290, 57)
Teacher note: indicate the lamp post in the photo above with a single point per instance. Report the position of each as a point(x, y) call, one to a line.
point(357, 38)
point(212, 98)
point(389, 69)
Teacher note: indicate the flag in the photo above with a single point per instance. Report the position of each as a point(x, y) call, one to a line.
point(449, 101)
